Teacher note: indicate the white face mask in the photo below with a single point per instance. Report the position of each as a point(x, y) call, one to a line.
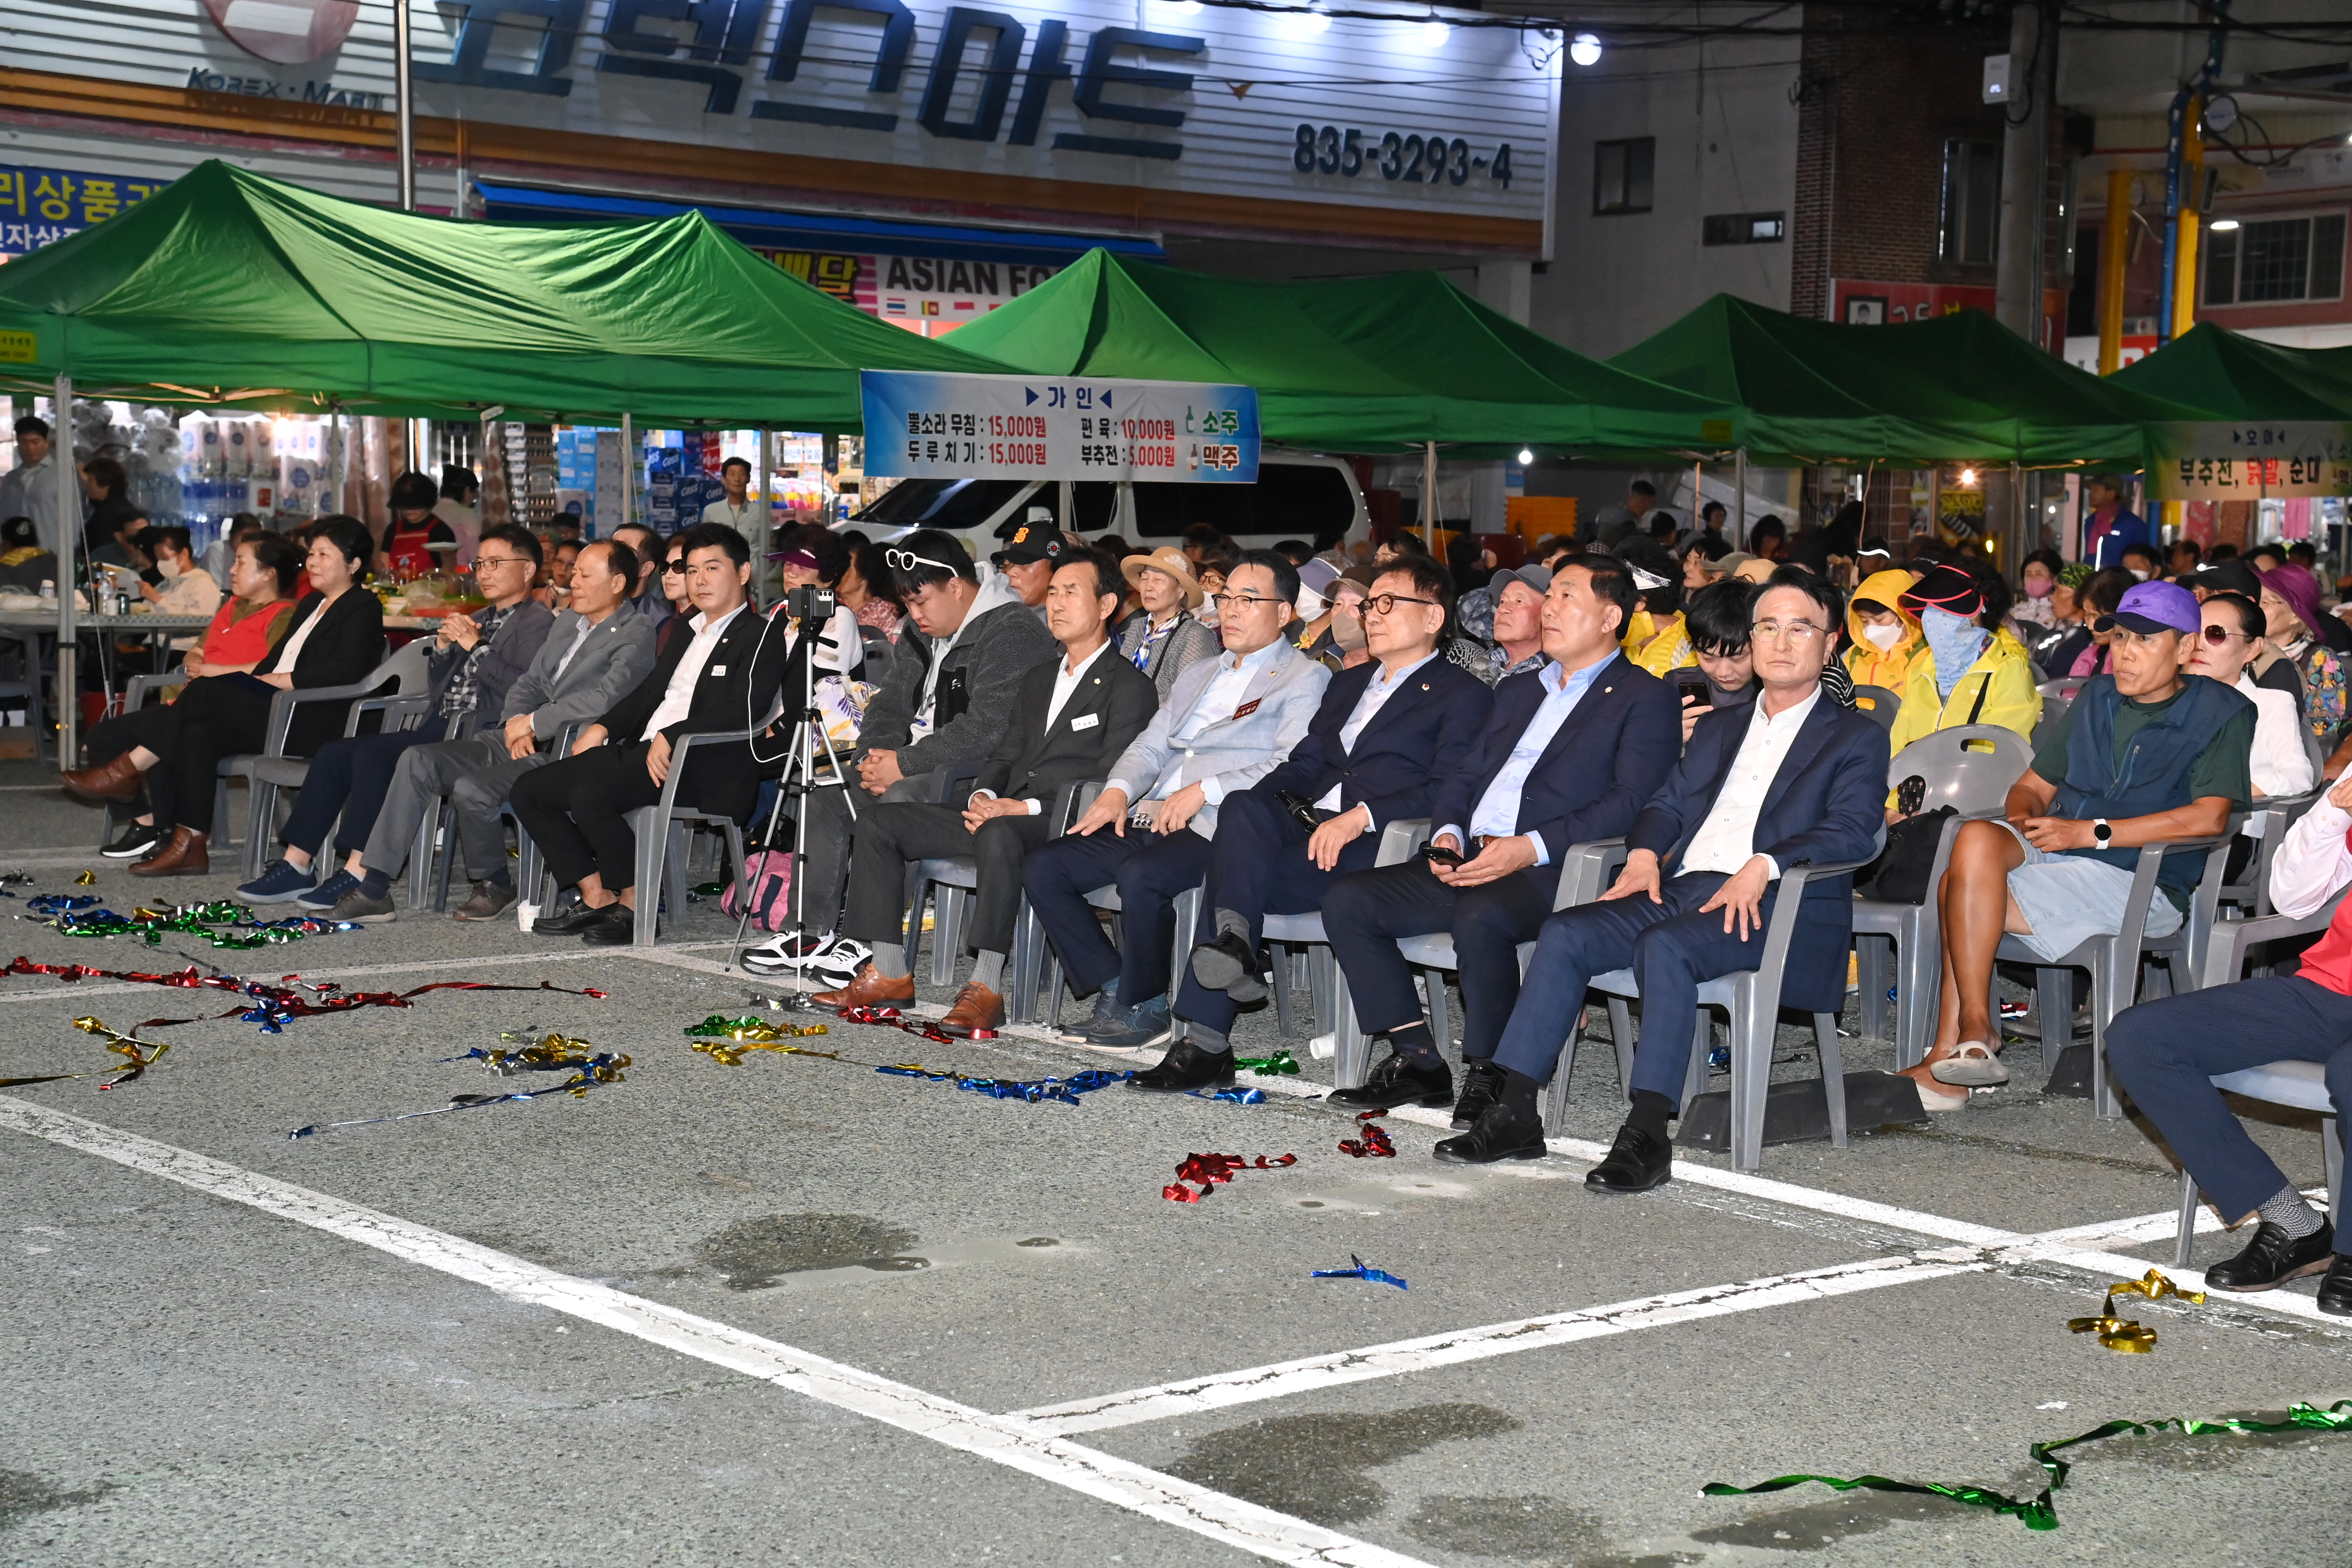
point(167, 567)
point(2138, 575)
point(1883, 638)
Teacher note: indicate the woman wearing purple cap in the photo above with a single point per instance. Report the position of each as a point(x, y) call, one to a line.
point(2291, 611)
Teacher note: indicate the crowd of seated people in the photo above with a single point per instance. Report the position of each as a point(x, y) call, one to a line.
point(1100, 726)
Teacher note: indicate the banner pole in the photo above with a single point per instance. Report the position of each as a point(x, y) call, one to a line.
point(61, 448)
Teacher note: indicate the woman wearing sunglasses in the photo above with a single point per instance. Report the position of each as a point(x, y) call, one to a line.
point(2227, 643)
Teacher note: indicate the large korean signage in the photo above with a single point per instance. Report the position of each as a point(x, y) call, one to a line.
point(2254, 460)
point(1441, 121)
point(920, 426)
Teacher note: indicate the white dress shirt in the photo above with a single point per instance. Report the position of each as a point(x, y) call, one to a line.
point(1497, 814)
point(1377, 692)
point(1066, 677)
point(1218, 700)
point(1726, 841)
point(579, 641)
point(2314, 861)
point(679, 699)
point(2280, 764)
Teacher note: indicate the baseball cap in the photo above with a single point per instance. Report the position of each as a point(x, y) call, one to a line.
point(1945, 587)
point(1034, 541)
point(2149, 608)
point(1533, 575)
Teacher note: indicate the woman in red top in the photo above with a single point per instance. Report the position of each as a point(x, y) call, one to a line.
point(409, 548)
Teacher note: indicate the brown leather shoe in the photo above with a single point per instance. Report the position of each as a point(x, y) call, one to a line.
point(869, 988)
point(185, 856)
point(116, 780)
point(976, 1010)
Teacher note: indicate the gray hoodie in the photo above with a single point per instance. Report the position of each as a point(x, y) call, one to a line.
point(966, 685)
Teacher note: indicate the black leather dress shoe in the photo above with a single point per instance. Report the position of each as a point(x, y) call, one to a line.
point(1396, 1081)
point(1637, 1162)
point(2272, 1258)
point(1186, 1067)
point(1482, 1086)
point(1227, 964)
point(2335, 1290)
point(616, 927)
point(571, 921)
point(1506, 1132)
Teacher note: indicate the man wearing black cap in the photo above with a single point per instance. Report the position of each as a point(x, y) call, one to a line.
point(1030, 554)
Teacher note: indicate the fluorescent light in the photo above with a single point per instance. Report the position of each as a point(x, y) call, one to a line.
point(1435, 34)
point(1527, 456)
point(1584, 49)
point(2223, 224)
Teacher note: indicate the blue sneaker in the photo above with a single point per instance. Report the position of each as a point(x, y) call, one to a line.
point(326, 894)
point(281, 883)
point(1145, 1024)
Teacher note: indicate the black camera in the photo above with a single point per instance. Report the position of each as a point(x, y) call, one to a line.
point(809, 603)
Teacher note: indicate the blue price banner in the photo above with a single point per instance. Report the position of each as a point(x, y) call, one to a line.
point(41, 206)
point(921, 426)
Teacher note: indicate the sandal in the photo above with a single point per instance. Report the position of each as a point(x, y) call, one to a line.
point(1972, 1065)
point(1930, 1101)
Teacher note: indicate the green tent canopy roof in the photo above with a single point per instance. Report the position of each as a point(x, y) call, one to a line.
point(2223, 376)
point(1956, 388)
point(227, 286)
point(1351, 364)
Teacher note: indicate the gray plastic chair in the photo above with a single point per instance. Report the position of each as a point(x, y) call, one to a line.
point(1029, 937)
point(399, 688)
point(1752, 998)
point(1970, 768)
point(2057, 696)
point(1879, 705)
point(433, 853)
point(2114, 961)
point(661, 831)
point(1327, 986)
point(2300, 1085)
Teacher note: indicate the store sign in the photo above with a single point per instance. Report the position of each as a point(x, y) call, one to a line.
point(934, 292)
point(919, 425)
point(1217, 103)
point(2213, 461)
point(39, 206)
point(1864, 302)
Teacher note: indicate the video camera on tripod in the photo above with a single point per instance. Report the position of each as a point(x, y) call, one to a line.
point(810, 604)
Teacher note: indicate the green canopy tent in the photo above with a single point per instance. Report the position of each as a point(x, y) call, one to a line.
point(229, 287)
point(2261, 420)
point(1364, 365)
point(2224, 375)
point(1961, 387)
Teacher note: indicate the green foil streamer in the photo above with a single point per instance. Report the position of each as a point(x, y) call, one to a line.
point(1274, 1066)
point(2040, 1512)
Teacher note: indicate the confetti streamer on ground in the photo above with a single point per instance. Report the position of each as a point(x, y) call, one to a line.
point(87, 879)
point(1231, 1096)
point(2041, 1511)
point(1033, 1090)
point(276, 1005)
point(1274, 1066)
point(137, 1055)
point(553, 1054)
point(1375, 1143)
point(717, 1026)
point(2121, 1333)
point(1208, 1172)
point(1374, 1276)
point(52, 1078)
point(79, 917)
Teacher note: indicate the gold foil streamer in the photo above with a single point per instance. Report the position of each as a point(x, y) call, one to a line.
point(2125, 1335)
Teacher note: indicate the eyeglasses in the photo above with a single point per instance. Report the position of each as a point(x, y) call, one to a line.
point(2217, 635)
point(1798, 631)
point(482, 560)
point(1381, 603)
point(1237, 601)
point(907, 561)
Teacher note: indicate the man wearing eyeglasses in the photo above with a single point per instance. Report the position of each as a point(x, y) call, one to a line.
point(1790, 780)
point(1380, 736)
point(2142, 754)
point(948, 696)
point(1227, 723)
point(476, 659)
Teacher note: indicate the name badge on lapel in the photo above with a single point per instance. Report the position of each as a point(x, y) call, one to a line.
point(1086, 721)
point(718, 669)
point(1246, 709)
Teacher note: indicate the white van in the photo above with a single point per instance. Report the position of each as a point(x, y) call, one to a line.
point(1297, 494)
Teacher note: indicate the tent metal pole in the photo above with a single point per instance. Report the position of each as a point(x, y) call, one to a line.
point(1429, 495)
point(1698, 493)
point(1740, 497)
point(628, 472)
point(61, 448)
point(765, 524)
point(405, 123)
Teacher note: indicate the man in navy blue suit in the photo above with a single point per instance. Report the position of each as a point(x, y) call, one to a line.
point(1370, 755)
point(1790, 780)
point(1572, 752)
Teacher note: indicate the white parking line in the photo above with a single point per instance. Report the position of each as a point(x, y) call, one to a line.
point(1005, 1440)
point(1195, 1395)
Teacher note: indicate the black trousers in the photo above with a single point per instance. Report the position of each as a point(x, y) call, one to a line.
point(219, 716)
point(351, 776)
point(576, 810)
point(1365, 913)
point(894, 834)
point(1150, 869)
point(110, 738)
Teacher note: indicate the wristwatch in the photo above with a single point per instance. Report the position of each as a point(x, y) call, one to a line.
point(2101, 832)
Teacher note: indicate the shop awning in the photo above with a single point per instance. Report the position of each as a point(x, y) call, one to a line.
point(1956, 388)
point(2227, 376)
point(230, 288)
point(1362, 364)
point(816, 231)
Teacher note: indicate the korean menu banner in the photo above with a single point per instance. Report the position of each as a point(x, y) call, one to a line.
point(2252, 460)
point(923, 426)
point(41, 206)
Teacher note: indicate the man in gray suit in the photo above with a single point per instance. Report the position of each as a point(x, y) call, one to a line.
point(1228, 722)
point(591, 659)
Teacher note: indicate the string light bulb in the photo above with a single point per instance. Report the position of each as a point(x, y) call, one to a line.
point(1584, 49)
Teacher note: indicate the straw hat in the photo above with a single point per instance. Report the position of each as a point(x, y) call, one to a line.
point(1171, 560)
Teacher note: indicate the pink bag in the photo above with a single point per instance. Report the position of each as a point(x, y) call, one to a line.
point(770, 874)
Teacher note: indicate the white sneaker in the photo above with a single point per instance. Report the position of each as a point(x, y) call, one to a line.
point(785, 951)
point(837, 966)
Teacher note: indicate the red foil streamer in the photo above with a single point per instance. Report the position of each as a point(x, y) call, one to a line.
point(1374, 1144)
point(273, 1006)
point(1210, 1171)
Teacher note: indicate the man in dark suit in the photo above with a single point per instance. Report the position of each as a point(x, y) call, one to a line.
point(1790, 780)
point(724, 676)
point(1572, 752)
point(1071, 719)
point(1370, 755)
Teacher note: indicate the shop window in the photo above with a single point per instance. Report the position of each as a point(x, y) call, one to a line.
point(1623, 174)
point(1743, 228)
point(2274, 260)
point(1971, 207)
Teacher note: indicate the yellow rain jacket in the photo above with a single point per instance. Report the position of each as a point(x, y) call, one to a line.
point(1657, 645)
point(2002, 676)
point(1864, 661)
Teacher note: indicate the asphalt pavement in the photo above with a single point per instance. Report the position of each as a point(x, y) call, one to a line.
point(796, 1310)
